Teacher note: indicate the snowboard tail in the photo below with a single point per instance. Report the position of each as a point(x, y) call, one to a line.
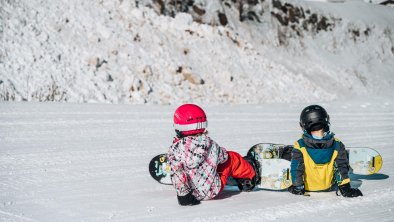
point(364, 160)
point(160, 170)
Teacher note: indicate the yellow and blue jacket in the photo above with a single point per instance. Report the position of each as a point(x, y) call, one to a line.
point(319, 163)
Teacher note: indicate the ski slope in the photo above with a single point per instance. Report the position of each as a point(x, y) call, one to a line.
point(89, 162)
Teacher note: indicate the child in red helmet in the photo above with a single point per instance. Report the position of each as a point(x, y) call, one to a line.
point(199, 166)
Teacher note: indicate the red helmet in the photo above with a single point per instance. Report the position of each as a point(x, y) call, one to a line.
point(190, 119)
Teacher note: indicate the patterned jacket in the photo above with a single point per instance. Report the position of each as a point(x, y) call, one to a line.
point(194, 161)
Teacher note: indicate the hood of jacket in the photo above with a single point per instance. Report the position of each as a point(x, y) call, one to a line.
point(193, 150)
point(326, 142)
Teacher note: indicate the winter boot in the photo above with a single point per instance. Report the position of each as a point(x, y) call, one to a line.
point(245, 184)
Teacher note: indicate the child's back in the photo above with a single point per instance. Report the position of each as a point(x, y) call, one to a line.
point(319, 160)
point(196, 158)
point(199, 166)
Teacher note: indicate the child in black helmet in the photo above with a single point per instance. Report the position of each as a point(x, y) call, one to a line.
point(319, 160)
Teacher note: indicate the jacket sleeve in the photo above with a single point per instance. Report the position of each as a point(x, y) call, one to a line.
point(297, 167)
point(342, 164)
point(179, 178)
point(222, 155)
point(219, 153)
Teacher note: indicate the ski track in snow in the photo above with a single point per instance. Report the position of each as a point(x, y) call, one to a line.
point(88, 162)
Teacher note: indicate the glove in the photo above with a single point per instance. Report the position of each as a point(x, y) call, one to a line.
point(347, 191)
point(188, 200)
point(297, 190)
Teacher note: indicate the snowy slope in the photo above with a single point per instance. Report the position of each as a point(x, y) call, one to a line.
point(88, 162)
point(124, 52)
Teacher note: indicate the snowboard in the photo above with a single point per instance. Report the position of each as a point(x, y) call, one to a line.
point(275, 172)
point(362, 160)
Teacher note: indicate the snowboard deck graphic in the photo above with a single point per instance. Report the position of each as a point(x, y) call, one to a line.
point(275, 174)
point(364, 160)
point(268, 151)
point(160, 170)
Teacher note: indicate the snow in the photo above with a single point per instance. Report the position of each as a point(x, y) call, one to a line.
point(102, 79)
point(89, 162)
point(123, 52)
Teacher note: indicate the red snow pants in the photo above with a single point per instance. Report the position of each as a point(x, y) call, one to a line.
point(236, 167)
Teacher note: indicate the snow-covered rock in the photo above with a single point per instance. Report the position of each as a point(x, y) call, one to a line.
point(217, 51)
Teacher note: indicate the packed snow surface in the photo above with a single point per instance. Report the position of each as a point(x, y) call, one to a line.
point(89, 162)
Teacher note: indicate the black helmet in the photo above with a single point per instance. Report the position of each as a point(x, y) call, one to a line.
point(314, 118)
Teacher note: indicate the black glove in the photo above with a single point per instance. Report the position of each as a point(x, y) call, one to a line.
point(347, 191)
point(188, 200)
point(297, 190)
